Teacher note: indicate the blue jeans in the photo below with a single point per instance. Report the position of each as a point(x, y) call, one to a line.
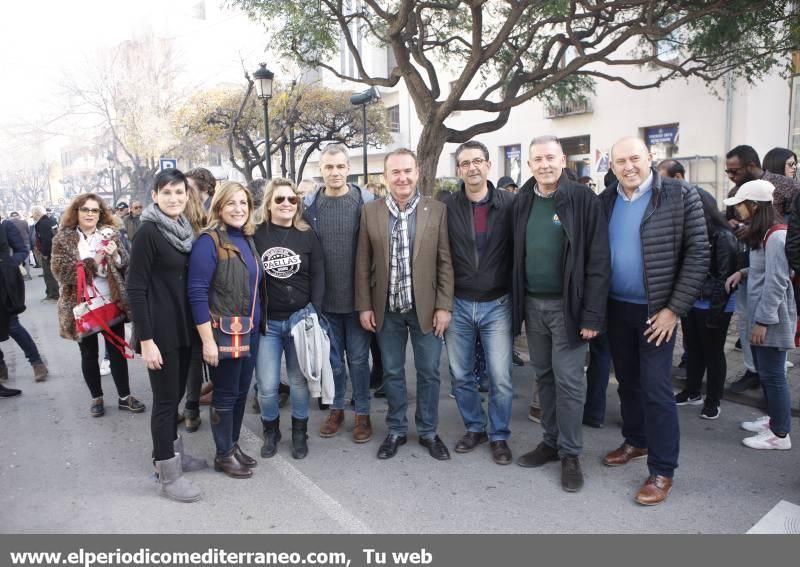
point(276, 342)
point(491, 321)
point(644, 373)
point(23, 338)
point(771, 367)
point(231, 380)
point(594, 410)
point(392, 338)
point(348, 334)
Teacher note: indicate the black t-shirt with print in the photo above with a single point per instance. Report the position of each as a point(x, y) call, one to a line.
point(294, 268)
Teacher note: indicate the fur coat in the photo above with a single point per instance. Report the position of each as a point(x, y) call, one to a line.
point(63, 262)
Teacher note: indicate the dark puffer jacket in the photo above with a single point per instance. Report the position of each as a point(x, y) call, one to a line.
point(793, 237)
point(675, 249)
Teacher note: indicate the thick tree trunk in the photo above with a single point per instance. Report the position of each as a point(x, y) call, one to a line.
point(430, 146)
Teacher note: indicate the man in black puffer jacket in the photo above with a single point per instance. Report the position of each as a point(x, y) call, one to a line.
point(659, 261)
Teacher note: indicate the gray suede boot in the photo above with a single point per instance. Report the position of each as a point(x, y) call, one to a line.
point(173, 484)
point(188, 463)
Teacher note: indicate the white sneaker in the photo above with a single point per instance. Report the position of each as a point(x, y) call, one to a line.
point(758, 425)
point(768, 440)
point(105, 368)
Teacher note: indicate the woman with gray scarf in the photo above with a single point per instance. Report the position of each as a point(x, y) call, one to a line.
point(163, 324)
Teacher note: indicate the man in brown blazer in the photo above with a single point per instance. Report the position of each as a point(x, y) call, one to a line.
point(404, 286)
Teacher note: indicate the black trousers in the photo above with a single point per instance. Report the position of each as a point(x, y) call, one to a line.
point(90, 365)
point(168, 385)
point(194, 382)
point(706, 353)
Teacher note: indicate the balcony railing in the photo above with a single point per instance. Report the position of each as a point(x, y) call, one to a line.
point(567, 108)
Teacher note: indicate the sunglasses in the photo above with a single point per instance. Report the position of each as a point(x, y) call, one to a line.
point(88, 211)
point(281, 198)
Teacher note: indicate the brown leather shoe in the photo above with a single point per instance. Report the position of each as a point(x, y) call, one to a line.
point(654, 490)
point(330, 426)
point(231, 466)
point(501, 453)
point(623, 455)
point(362, 431)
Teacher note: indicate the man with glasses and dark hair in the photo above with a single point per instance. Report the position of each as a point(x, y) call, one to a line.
point(334, 213)
point(560, 287)
point(479, 227)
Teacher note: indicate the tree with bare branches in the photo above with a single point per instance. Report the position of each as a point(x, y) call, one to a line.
point(131, 90)
point(498, 54)
point(302, 119)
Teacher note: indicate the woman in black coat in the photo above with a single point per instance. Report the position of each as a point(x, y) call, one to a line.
point(163, 324)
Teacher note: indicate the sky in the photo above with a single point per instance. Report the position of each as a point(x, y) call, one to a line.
point(42, 41)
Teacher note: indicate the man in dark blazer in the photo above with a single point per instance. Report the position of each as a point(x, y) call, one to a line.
point(404, 286)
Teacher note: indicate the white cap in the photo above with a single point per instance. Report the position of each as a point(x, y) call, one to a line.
point(757, 190)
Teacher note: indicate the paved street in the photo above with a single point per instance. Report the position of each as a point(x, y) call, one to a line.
point(64, 471)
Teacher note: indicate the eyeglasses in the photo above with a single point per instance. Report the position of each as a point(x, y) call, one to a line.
point(88, 211)
point(477, 162)
point(281, 198)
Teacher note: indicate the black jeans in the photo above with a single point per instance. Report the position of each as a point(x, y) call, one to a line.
point(644, 373)
point(91, 366)
point(706, 348)
point(194, 380)
point(168, 385)
point(51, 285)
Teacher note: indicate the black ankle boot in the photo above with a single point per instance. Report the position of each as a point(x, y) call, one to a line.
point(272, 434)
point(299, 437)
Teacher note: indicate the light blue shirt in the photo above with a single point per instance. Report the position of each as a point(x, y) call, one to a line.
point(640, 191)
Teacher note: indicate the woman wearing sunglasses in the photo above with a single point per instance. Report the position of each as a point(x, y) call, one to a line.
point(292, 259)
point(88, 235)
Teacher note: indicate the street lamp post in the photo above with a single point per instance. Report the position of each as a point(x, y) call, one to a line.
point(263, 82)
point(110, 158)
point(362, 99)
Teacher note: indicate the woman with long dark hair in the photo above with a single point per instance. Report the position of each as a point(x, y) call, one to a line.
point(781, 161)
point(88, 237)
point(163, 324)
point(226, 282)
point(705, 327)
point(771, 310)
point(292, 258)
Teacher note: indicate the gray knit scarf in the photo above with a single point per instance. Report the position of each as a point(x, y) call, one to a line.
point(178, 232)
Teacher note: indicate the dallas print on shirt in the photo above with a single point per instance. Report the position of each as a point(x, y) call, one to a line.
point(280, 262)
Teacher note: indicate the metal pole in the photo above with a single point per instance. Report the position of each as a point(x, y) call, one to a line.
point(291, 152)
point(364, 114)
point(113, 189)
point(267, 157)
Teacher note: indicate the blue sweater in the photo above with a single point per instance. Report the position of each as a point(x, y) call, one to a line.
point(627, 265)
point(203, 264)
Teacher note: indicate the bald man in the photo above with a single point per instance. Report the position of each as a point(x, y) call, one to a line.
point(659, 260)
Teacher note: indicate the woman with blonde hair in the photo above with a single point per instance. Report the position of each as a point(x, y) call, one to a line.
point(225, 283)
point(292, 259)
point(88, 237)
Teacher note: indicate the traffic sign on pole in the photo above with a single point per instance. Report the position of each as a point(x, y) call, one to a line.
point(168, 163)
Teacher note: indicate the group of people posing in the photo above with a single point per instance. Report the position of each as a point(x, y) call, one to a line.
point(237, 286)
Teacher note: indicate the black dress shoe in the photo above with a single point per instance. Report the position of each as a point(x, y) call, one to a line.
point(9, 392)
point(379, 392)
point(388, 448)
point(592, 423)
point(470, 440)
point(501, 453)
point(436, 447)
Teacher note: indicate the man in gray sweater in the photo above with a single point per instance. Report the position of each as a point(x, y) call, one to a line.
point(334, 212)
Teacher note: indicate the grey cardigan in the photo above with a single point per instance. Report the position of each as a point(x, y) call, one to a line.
point(770, 298)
